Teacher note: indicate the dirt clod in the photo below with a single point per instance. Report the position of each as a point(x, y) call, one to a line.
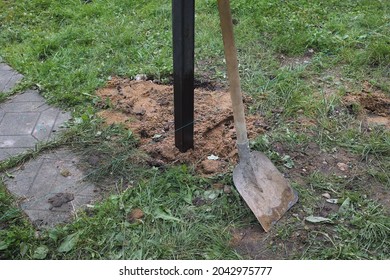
point(342, 166)
point(135, 214)
point(211, 166)
point(371, 105)
point(60, 199)
point(227, 189)
point(65, 172)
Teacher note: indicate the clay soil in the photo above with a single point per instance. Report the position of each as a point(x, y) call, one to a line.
point(147, 109)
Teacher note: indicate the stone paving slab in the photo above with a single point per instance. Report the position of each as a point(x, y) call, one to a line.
point(8, 77)
point(25, 120)
point(51, 187)
point(51, 176)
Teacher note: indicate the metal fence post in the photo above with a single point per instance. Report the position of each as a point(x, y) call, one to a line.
point(183, 22)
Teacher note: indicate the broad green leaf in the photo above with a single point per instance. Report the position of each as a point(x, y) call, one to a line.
point(345, 206)
point(188, 196)
point(161, 214)
point(69, 242)
point(316, 220)
point(41, 252)
point(3, 245)
point(23, 249)
point(288, 162)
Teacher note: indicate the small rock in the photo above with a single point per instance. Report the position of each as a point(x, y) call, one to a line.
point(326, 195)
point(141, 77)
point(135, 214)
point(157, 137)
point(139, 111)
point(332, 201)
point(65, 172)
point(213, 157)
point(227, 189)
point(210, 166)
point(342, 166)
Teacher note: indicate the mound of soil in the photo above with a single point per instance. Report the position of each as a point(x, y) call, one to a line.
point(147, 109)
point(375, 105)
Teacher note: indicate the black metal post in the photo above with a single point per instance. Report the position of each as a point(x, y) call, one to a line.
point(183, 22)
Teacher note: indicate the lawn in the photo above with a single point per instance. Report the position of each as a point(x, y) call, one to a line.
point(318, 75)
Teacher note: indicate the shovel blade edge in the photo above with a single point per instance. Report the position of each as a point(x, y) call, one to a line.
point(265, 190)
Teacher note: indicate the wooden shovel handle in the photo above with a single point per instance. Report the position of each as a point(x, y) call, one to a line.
point(232, 71)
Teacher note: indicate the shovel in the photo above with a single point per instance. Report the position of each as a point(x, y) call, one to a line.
point(260, 184)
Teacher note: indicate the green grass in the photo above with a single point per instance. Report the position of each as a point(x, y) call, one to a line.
point(185, 217)
point(15, 230)
point(172, 228)
point(68, 49)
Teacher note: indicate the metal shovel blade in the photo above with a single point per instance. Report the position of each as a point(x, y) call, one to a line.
point(263, 187)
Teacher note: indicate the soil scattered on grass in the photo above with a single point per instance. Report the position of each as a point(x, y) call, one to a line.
point(371, 105)
point(147, 109)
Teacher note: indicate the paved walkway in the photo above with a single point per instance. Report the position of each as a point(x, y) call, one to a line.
point(51, 187)
point(8, 77)
point(25, 120)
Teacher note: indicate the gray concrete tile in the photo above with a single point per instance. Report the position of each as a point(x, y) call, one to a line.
point(23, 115)
point(37, 203)
point(80, 201)
point(87, 189)
point(45, 124)
point(23, 107)
point(15, 78)
point(49, 180)
point(18, 123)
point(50, 174)
point(5, 67)
point(23, 141)
point(42, 203)
point(61, 119)
point(25, 120)
point(23, 178)
point(28, 96)
point(45, 218)
point(10, 152)
point(1, 115)
point(4, 79)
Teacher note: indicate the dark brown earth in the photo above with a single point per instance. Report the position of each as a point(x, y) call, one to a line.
point(373, 106)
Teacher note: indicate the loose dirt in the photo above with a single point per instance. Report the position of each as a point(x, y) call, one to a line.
point(373, 106)
point(147, 109)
